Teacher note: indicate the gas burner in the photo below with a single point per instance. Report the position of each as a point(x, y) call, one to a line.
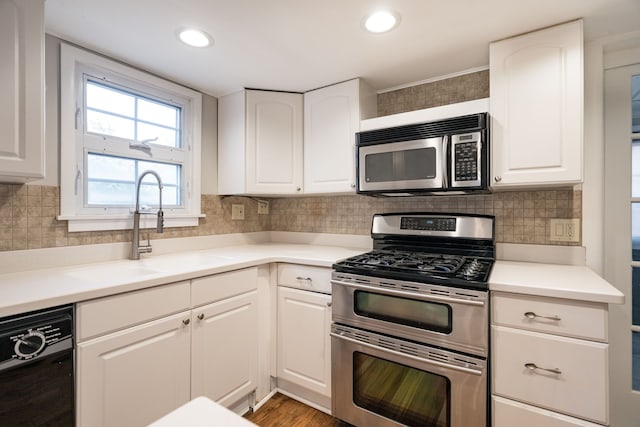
point(425, 248)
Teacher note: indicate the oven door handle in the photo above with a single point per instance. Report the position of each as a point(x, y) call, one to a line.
point(413, 295)
point(409, 356)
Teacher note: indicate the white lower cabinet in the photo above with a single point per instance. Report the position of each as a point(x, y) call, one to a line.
point(135, 376)
point(224, 348)
point(303, 327)
point(542, 374)
point(304, 348)
point(142, 354)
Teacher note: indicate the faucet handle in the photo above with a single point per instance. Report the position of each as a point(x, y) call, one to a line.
point(160, 222)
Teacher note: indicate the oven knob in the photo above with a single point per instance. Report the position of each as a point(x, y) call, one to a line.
point(30, 345)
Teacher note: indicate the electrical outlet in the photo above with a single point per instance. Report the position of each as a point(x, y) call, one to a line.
point(564, 230)
point(237, 212)
point(263, 208)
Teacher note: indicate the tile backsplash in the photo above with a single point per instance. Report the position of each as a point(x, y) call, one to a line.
point(521, 216)
point(28, 220)
point(28, 215)
point(466, 87)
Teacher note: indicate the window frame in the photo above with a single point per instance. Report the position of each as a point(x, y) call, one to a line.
point(75, 143)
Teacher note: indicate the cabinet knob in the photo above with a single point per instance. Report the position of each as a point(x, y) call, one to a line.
point(534, 367)
point(201, 316)
point(298, 188)
point(329, 304)
point(531, 315)
point(186, 321)
point(497, 178)
point(353, 186)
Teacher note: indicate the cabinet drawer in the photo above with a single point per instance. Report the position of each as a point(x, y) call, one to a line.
point(307, 277)
point(570, 318)
point(212, 288)
point(509, 413)
point(99, 316)
point(579, 388)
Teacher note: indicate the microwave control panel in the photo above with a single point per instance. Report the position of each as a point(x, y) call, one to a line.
point(466, 159)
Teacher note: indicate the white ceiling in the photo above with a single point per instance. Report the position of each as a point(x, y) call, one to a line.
point(299, 45)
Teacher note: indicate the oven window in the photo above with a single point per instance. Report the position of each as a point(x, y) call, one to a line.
point(401, 393)
point(405, 311)
point(403, 165)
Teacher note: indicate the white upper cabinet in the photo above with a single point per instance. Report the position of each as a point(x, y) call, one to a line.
point(22, 90)
point(260, 143)
point(537, 107)
point(331, 118)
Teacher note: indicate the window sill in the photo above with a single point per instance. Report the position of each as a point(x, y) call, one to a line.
point(125, 222)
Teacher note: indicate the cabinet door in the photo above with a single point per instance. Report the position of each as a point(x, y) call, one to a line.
point(135, 376)
point(274, 142)
point(304, 345)
point(536, 107)
point(224, 349)
point(22, 90)
point(331, 119)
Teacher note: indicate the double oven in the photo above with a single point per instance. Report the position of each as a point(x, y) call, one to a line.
point(409, 338)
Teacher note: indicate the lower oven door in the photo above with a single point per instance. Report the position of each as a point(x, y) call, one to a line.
point(384, 381)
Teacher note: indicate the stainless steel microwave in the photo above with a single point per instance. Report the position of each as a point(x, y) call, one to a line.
point(449, 156)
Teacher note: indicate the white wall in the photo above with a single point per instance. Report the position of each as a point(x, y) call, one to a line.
point(52, 133)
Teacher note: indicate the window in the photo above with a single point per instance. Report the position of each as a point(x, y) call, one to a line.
point(116, 123)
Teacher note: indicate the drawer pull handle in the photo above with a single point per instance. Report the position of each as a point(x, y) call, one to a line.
point(532, 315)
point(304, 278)
point(186, 321)
point(201, 316)
point(533, 367)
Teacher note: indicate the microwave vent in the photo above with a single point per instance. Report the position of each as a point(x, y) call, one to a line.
point(423, 130)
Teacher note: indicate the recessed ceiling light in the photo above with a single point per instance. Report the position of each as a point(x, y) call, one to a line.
point(381, 21)
point(195, 38)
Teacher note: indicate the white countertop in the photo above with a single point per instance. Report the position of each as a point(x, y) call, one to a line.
point(553, 280)
point(35, 289)
point(31, 290)
point(202, 412)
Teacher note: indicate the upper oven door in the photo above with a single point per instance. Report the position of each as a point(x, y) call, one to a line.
point(405, 165)
point(453, 318)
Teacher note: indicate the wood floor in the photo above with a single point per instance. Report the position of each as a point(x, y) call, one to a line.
point(282, 411)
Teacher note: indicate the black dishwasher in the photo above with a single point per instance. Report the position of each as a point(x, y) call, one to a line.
point(36, 368)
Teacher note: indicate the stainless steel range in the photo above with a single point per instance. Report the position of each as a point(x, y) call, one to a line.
point(409, 338)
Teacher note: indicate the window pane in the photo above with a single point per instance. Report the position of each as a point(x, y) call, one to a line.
point(107, 99)
point(106, 193)
point(635, 168)
point(149, 133)
point(112, 181)
point(155, 112)
point(100, 167)
point(635, 296)
point(635, 104)
point(170, 174)
point(107, 124)
point(635, 231)
point(635, 337)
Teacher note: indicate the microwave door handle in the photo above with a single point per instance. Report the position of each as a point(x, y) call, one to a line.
point(445, 149)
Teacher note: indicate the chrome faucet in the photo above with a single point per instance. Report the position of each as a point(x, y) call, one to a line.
point(136, 249)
